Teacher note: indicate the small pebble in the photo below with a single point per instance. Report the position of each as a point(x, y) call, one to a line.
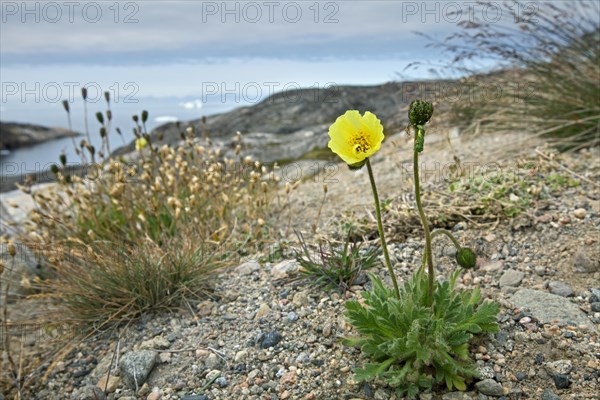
point(549, 395)
point(292, 316)
point(561, 381)
point(524, 320)
point(221, 381)
point(579, 213)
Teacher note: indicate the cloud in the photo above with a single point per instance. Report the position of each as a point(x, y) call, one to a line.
point(165, 118)
point(191, 105)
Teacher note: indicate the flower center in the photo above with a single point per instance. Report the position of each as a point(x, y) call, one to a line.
point(361, 144)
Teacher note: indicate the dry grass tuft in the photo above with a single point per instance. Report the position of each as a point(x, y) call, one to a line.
point(548, 54)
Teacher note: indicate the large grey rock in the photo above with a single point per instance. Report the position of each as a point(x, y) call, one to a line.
point(284, 269)
point(583, 263)
point(135, 367)
point(547, 307)
point(560, 289)
point(559, 367)
point(549, 395)
point(27, 261)
point(88, 393)
point(489, 387)
point(511, 278)
point(25, 264)
point(247, 268)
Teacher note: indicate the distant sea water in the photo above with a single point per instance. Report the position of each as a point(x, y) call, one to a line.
point(40, 157)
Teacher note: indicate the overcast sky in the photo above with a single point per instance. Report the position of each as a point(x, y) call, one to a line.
point(169, 31)
point(177, 48)
point(199, 50)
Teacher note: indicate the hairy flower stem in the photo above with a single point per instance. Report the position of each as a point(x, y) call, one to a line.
point(438, 232)
point(380, 228)
point(425, 225)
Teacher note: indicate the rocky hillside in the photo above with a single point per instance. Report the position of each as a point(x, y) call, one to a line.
point(14, 135)
point(289, 124)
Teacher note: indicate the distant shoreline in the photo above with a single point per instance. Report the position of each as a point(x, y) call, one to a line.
point(15, 135)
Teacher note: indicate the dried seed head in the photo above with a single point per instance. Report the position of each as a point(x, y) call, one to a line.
point(287, 188)
point(12, 250)
point(25, 282)
point(325, 188)
point(117, 190)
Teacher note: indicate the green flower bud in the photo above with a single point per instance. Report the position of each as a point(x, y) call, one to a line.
point(66, 105)
point(119, 131)
point(54, 169)
point(107, 96)
point(102, 132)
point(144, 116)
point(63, 159)
point(466, 258)
point(419, 112)
point(109, 114)
point(84, 93)
point(135, 118)
point(100, 117)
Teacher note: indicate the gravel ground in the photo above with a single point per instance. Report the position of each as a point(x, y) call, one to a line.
point(267, 336)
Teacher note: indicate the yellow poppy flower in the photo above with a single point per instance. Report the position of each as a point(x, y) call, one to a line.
point(140, 143)
point(355, 137)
